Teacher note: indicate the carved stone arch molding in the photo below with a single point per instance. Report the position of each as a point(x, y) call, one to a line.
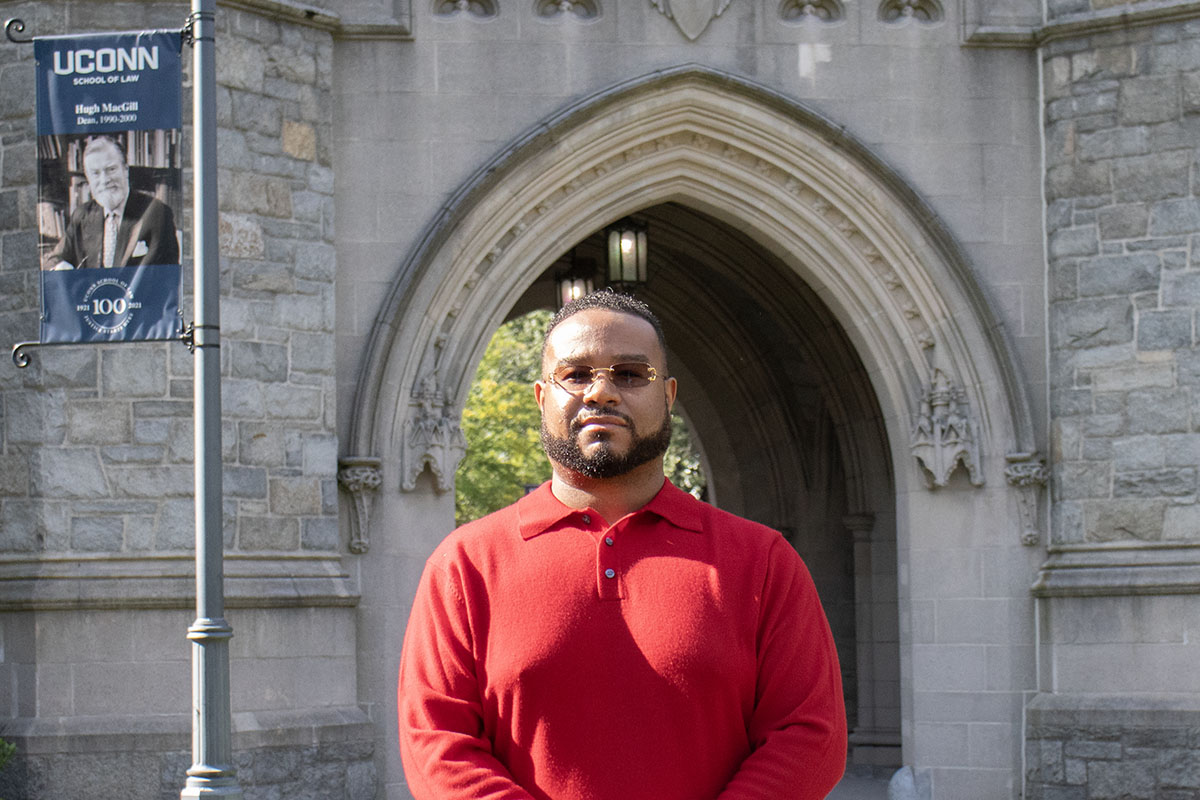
point(797, 183)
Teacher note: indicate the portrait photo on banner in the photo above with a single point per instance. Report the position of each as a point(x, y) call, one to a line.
point(109, 199)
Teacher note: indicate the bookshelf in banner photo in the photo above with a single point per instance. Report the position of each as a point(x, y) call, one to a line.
point(155, 160)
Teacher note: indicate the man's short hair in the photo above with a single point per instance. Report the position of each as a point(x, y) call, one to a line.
point(94, 143)
point(609, 300)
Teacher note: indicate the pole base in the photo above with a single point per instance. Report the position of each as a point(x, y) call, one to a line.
point(225, 786)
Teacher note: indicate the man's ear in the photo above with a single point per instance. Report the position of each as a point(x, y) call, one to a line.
point(539, 393)
point(672, 387)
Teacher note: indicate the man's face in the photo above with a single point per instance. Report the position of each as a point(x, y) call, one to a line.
point(107, 176)
point(605, 431)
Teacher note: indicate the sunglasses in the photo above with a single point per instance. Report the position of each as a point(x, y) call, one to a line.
point(578, 378)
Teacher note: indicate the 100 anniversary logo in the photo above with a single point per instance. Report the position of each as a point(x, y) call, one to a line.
point(108, 306)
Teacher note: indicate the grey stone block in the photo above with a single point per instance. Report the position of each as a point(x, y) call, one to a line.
point(151, 482)
point(67, 367)
point(1164, 330)
point(261, 443)
point(263, 276)
point(268, 533)
point(319, 533)
point(288, 401)
point(1175, 216)
point(19, 526)
point(1118, 275)
point(1179, 768)
point(1080, 180)
point(245, 482)
point(1074, 242)
point(1128, 518)
point(132, 454)
point(1157, 177)
point(1148, 99)
point(312, 352)
point(1127, 221)
point(1190, 86)
point(1082, 480)
point(1155, 483)
point(134, 371)
point(1138, 452)
point(1158, 411)
point(98, 533)
point(1091, 323)
point(1181, 289)
point(242, 398)
point(258, 361)
point(295, 495)
point(1120, 780)
point(67, 473)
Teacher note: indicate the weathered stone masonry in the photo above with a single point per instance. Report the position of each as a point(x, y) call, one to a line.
point(96, 516)
point(1115, 718)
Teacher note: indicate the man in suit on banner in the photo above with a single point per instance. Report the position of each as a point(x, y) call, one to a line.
point(116, 227)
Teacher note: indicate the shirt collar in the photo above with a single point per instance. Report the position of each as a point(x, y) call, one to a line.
point(540, 511)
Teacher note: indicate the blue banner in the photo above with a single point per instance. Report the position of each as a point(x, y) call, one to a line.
point(103, 82)
point(109, 185)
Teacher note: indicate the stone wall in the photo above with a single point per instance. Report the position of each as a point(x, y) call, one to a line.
point(1117, 591)
point(96, 447)
point(1113, 749)
point(1123, 119)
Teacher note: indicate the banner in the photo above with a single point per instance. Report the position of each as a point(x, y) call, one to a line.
point(110, 164)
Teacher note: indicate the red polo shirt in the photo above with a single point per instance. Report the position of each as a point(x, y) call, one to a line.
point(678, 654)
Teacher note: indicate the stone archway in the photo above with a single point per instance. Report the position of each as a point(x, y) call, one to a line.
point(828, 212)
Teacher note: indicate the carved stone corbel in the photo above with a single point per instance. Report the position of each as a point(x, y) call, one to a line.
point(1027, 473)
point(359, 475)
point(432, 438)
point(944, 433)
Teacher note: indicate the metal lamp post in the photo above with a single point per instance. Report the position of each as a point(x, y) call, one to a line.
point(212, 773)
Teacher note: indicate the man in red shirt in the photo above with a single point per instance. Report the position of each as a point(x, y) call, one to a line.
point(609, 637)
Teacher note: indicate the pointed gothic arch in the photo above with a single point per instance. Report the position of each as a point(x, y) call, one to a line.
point(827, 207)
point(821, 204)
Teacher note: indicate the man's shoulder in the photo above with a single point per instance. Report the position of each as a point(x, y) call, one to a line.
point(480, 534)
point(718, 521)
point(140, 203)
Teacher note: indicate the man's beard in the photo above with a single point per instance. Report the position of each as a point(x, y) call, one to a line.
point(604, 462)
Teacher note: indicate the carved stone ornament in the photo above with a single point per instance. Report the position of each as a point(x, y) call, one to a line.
point(944, 435)
point(475, 8)
point(692, 16)
point(580, 9)
point(1028, 474)
point(796, 11)
point(432, 438)
point(359, 475)
point(895, 11)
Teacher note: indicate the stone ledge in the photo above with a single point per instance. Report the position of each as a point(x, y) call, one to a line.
point(164, 732)
point(1104, 710)
point(166, 582)
point(1068, 26)
point(377, 25)
point(1119, 570)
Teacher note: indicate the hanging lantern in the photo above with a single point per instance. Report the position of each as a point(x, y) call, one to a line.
point(577, 280)
point(627, 253)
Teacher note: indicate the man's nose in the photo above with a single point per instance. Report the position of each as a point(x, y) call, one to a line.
point(602, 390)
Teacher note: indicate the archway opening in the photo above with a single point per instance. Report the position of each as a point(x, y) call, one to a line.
point(787, 428)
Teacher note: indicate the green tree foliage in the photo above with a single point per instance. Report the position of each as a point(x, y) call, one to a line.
point(502, 424)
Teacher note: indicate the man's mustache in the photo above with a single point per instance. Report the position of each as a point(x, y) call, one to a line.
point(578, 423)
